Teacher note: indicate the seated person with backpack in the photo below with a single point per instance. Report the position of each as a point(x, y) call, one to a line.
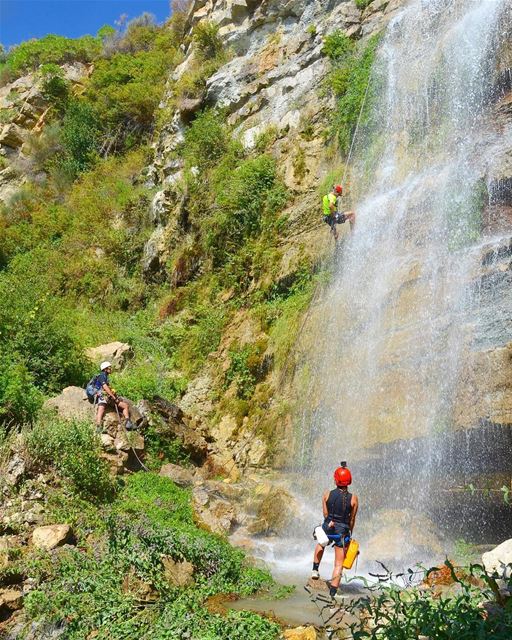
point(102, 395)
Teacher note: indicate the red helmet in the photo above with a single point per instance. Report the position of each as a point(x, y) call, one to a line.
point(342, 477)
point(338, 188)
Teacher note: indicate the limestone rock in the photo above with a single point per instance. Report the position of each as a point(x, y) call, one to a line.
point(10, 600)
point(222, 463)
point(12, 136)
point(211, 512)
point(499, 559)
point(51, 536)
point(179, 475)
point(107, 442)
point(178, 574)
point(115, 352)
point(300, 633)
point(273, 512)
point(188, 431)
point(15, 469)
point(125, 441)
point(197, 398)
point(72, 404)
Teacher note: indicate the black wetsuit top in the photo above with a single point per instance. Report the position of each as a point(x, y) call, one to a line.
point(339, 506)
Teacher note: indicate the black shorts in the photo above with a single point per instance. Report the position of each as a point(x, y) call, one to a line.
point(334, 219)
point(338, 529)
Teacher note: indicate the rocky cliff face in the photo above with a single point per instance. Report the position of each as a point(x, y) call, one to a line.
point(23, 108)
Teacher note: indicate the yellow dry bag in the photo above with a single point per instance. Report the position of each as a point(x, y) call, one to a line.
point(351, 554)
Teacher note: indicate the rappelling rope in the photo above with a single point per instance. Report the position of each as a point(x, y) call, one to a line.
point(316, 295)
point(347, 164)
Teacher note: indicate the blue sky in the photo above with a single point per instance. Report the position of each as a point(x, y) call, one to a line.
point(24, 19)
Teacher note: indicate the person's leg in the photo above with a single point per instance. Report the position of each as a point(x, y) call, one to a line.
point(351, 217)
point(100, 412)
point(339, 556)
point(317, 559)
point(125, 409)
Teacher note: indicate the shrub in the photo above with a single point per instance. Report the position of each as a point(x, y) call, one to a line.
point(51, 49)
point(72, 449)
point(80, 137)
point(55, 87)
point(206, 140)
point(349, 79)
point(207, 40)
point(242, 200)
point(20, 399)
point(337, 45)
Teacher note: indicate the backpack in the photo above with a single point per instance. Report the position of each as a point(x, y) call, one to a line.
point(92, 389)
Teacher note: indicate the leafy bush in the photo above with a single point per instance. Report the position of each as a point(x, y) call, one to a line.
point(72, 449)
point(80, 137)
point(34, 327)
point(206, 140)
point(362, 4)
point(20, 399)
point(245, 368)
point(55, 87)
point(349, 80)
point(242, 200)
point(207, 40)
point(51, 49)
point(392, 612)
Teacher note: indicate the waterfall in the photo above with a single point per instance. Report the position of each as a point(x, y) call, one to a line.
point(391, 338)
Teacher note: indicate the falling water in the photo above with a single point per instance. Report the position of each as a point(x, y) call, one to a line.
point(390, 340)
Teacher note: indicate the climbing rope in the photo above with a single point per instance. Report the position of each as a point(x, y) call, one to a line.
point(316, 295)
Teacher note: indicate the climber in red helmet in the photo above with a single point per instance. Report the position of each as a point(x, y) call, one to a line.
point(340, 509)
point(330, 210)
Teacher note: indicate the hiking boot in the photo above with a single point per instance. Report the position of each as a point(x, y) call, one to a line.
point(315, 574)
point(129, 426)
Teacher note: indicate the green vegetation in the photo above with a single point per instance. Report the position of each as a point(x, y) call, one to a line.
point(72, 449)
point(348, 80)
point(124, 590)
point(456, 613)
point(362, 4)
point(50, 49)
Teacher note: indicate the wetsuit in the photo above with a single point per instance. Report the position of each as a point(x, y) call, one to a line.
point(339, 509)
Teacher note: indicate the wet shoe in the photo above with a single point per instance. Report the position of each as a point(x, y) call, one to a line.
point(315, 575)
point(129, 426)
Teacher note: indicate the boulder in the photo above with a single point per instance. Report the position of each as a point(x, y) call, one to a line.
point(10, 600)
point(51, 536)
point(274, 511)
point(300, 633)
point(15, 470)
point(180, 476)
point(211, 512)
point(178, 574)
point(177, 424)
point(12, 136)
point(499, 559)
point(126, 441)
point(71, 404)
point(115, 352)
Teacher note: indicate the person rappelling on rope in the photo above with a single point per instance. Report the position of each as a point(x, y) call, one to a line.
point(339, 508)
point(330, 210)
point(100, 393)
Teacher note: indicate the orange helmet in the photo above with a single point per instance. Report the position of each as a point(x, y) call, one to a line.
point(342, 477)
point(339, 189)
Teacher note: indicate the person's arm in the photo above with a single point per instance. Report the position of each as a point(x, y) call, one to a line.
point(354, 503)
point(325, 511)
point(333, 207)
point(109, 391)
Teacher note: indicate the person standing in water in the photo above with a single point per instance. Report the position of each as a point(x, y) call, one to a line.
point(339, 508)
